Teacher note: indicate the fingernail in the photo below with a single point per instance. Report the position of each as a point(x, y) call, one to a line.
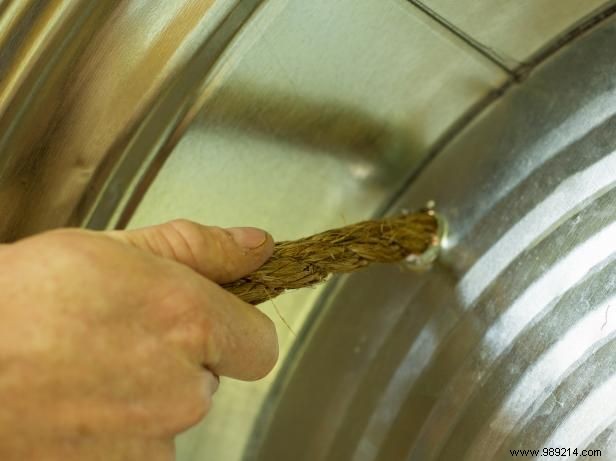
point(250, 238)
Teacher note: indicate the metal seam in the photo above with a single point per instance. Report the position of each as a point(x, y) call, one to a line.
point(517, 77)
point(482, 49)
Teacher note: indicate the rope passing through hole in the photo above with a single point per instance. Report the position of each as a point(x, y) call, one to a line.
point(310, 260)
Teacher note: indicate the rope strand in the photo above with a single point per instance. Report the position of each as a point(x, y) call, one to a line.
point(310, 260)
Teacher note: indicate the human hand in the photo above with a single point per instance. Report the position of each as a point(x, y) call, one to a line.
point(111, 342)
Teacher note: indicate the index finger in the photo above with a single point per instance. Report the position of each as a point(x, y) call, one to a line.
point(238, 340)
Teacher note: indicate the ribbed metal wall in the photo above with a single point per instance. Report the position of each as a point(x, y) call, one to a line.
point(298, 116)
point(509, 343)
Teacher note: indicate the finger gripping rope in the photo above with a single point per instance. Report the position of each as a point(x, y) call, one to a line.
point(308, 261)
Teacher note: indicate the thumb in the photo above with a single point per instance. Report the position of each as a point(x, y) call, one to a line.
point(221, 255)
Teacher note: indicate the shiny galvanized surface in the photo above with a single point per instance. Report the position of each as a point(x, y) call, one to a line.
point(90, 92)
point(509, 31)
point(311, 120)
point(509, 343)
point(292, 115)
point(335, 114)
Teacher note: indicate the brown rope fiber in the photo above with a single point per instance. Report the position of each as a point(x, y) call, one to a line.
point(310, 260)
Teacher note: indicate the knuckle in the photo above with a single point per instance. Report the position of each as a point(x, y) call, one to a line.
point(183, 238)
point(184, 307)
point(191, 326)
point(66, 248)
point(196, 333)
point(225, 250)
point(184, 404)
point(192, 408)
point(186, 228)
point(198, 244)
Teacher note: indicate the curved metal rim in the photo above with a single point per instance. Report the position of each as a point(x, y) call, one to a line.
point(108, 208)
point(311, 324)
point(138, 182)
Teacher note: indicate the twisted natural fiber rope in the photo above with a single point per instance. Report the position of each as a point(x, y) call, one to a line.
point(305, 262)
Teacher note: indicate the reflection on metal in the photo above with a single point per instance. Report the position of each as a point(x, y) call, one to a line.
point(512, 32)
point(88, 90)
point(509, 342)
point(298, 116)
point(314, 117)
point(321, 126)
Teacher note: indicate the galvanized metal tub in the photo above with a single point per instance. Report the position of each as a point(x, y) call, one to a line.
point(300, 116)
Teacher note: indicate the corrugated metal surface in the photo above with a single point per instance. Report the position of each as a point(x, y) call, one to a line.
point(291, 115)
point(509, 342)
point(318, 113)
point(83, 85)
